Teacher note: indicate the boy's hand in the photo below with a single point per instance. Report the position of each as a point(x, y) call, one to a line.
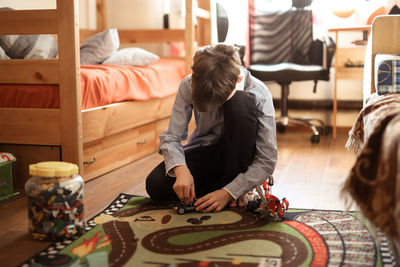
point(238, 203)
point(184, 184)
point(214, 201)
point(241, 202)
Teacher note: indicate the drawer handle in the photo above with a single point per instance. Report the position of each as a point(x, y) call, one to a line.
point(142, 142)
point(93, 160)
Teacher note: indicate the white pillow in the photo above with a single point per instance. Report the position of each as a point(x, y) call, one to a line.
point(99, 47)
point(132, 56)
point(3, 54)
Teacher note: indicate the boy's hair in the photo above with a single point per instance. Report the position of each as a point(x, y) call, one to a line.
point(216, 70)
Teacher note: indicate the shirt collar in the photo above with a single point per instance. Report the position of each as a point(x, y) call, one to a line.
point(240, 85)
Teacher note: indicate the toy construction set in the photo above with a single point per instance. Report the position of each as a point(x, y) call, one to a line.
point(260, 201)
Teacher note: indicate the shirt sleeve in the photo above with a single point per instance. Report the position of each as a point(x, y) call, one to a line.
point(170, 139)
point(265, 156)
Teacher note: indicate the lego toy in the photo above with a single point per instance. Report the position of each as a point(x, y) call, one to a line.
point(262, 202)
point(55, 201)
point(268, 205)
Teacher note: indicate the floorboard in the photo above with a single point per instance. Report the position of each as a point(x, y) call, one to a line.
point(308, 175)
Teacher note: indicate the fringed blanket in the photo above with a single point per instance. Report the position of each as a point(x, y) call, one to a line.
point(376, 109)
point(372, 182)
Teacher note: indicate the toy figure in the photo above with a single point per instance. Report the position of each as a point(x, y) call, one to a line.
point(268, 183)
point(268, 205)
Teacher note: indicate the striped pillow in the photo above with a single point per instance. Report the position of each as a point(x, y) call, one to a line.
point(3, 54)
point(42, 46)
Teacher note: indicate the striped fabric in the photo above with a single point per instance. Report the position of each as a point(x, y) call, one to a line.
point(277, 37)
point(387, 69)
point(3, 54)
point(42, 46)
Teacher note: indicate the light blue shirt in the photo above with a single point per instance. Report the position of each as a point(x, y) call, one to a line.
point(210, 127)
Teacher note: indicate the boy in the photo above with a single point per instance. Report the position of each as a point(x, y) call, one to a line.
point(233, 147)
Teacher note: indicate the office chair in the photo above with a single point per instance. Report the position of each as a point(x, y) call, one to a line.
point(282, 50)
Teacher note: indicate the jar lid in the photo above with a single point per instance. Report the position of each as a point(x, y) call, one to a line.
point(53, 169)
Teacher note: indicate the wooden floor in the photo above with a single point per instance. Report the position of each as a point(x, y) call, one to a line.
point(308, 175)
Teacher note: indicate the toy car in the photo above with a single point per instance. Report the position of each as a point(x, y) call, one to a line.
point(183, 208)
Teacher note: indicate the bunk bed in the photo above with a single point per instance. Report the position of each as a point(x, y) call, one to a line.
point(97, 139)
point(373, 182)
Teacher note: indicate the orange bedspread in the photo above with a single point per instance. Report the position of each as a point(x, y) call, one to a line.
point(102, 85)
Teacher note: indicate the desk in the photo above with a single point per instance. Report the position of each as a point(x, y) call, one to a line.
point(356, 54)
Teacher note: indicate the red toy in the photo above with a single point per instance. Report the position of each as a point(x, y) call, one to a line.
point(270, 206)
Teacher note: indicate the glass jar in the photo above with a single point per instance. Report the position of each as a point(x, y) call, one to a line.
point(55, 201)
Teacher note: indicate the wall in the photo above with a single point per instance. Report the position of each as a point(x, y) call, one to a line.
point(238, 28)
point(135, 14)
point(139, 14)
point(28, 4)
point(84, 7)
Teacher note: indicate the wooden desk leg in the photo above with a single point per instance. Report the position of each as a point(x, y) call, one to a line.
point(335, 95)
point(334, 109)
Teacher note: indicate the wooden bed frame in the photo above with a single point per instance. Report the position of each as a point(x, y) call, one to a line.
point(101, 139)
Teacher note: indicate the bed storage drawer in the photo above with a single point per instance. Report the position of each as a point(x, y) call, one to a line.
point(112, 119)
point(119, 149)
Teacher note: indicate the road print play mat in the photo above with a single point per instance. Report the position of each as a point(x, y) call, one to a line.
point(136, 231)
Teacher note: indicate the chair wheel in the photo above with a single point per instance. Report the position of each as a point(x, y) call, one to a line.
point(315, 139)
point(281, 128)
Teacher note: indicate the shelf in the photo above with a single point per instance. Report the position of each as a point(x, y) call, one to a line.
point(353, 54)
point(349, 29)
point(349, 73)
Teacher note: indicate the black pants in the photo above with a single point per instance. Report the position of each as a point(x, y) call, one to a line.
point(216, 165)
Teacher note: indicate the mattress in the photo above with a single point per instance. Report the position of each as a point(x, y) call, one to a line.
point(102, 85)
